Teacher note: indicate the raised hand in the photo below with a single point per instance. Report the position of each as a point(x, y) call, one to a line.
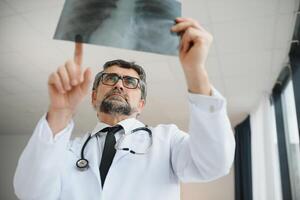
point(67, 88)
point(194, 47)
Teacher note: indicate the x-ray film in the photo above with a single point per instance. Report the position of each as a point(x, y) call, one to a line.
point(142, 25)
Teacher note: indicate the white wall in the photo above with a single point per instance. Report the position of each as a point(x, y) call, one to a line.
point(11, 147)
point(221, 189)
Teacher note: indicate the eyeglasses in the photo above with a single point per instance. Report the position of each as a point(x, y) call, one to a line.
point(111, 79)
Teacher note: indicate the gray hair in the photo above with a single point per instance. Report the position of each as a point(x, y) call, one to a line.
point(128, 65)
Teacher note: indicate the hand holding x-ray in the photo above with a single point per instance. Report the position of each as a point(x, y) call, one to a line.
point(194, 47)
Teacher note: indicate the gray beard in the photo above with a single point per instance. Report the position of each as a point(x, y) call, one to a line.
point(114, 106)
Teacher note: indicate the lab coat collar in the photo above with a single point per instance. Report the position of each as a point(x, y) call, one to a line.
point(92, 149)
point(127, 124)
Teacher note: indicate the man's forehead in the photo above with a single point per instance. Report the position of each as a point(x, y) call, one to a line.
point(121, 71)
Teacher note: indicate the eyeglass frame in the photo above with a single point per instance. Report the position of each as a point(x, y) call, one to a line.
point(100, 75)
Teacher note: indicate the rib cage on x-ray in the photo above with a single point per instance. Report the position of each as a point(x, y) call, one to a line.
point(134, 24)
point(83, 18)
point(154, 19)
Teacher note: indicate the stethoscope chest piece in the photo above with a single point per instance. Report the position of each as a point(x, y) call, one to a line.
point(82, 164)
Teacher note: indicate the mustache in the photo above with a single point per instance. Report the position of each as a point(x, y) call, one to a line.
point(116, 91)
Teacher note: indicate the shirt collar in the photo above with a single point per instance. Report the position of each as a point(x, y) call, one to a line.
point(127, 124)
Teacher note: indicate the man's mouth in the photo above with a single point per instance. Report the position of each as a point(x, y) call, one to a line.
point(114, 95)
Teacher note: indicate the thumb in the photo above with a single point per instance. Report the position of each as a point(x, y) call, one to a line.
point(87, 78)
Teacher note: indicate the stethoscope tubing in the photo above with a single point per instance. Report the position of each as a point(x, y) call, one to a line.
point(83, 163)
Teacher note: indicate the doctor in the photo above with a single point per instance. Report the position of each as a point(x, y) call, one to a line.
point(49, 169)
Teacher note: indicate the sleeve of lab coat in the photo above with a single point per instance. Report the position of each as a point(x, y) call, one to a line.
point(207, 152)
point(38, 171)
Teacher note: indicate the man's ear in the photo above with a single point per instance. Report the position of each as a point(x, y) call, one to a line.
point(141, 105)
point(94, 97)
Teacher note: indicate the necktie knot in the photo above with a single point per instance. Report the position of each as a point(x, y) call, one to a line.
point(112, 130)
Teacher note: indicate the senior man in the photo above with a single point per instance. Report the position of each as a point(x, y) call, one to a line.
point(121, 158)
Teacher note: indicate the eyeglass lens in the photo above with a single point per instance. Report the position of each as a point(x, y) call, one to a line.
point(112, 78)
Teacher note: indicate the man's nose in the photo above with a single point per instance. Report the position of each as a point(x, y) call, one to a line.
point(119, 84)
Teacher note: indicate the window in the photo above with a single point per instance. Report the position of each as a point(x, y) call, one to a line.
point(291, 138)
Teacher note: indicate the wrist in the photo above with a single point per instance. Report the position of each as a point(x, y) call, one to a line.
point(58, 119)
point(198, 82)
point(67, 112)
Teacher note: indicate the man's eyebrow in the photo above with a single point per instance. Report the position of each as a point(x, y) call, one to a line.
point(122, 75)
point(132, 76)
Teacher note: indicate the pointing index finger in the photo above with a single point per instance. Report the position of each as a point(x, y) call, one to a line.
point(78, 53)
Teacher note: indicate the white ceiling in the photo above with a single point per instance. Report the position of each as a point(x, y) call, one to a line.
point(251, 43)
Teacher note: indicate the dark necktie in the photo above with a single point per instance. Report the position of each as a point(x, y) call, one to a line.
point(109, 150)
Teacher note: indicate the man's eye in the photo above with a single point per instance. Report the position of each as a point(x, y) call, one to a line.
point(130, 81)
point(111, 78)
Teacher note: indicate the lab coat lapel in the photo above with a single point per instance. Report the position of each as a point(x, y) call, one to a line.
point(91, 154)
point(119, 154)
point(128, 125)
point(92, 150)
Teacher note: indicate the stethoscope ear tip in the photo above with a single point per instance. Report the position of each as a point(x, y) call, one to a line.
point(82, 164)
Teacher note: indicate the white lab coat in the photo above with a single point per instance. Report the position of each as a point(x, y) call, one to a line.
point(46, 168)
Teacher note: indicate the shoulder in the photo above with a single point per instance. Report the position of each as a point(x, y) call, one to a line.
point(78, 142)
point(167, 131)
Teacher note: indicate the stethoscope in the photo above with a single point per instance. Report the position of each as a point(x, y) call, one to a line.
point(83, 163)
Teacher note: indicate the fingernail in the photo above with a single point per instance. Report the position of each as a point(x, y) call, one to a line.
point(78, 38)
